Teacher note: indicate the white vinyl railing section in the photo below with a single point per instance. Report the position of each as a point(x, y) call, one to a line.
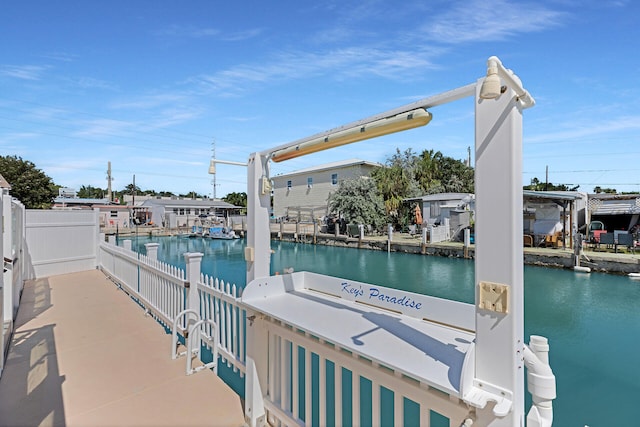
point(440, 233)
point(306, 374)
point(399, 366)
point(220, 302)
point(165, 291)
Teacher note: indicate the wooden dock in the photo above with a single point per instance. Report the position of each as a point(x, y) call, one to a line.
point(84, 354)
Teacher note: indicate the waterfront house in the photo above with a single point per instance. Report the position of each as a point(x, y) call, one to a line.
point(304, 193)
point(175, 212)
point(616, 211)
point(552, 217)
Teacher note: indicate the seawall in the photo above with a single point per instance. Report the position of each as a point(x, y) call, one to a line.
point(614, 263)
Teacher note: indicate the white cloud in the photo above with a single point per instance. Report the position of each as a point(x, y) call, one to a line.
point(587, 130)
point(339, 63)
point(189, 31)
point(481, 20)
point(105, 127)
point(23, 72)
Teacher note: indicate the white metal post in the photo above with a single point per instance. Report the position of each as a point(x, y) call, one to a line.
point(7, 251)
point(2, 296)
point(499, 253)
point(18, 213)
point(193, 261)
point(258, 260)
point(152, 251)
point(258, 250)
point(257, 370)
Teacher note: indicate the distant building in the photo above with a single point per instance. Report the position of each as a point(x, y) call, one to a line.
point(305, 192)
point(456, 209)
point(173, 213)
point(553, 213)
point(114, 216)
point(616, 211)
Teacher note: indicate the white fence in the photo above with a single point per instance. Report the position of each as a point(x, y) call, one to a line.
point(165, 291)
point(329, 351)
point(60, 242)
point(14, 267)
point(441, 233)
point(305, 374)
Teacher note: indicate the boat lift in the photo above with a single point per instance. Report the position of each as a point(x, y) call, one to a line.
point(491, 377)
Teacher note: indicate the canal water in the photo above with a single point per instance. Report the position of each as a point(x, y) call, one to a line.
point(592, 320)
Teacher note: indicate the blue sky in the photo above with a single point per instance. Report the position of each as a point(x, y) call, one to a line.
point(150, 85)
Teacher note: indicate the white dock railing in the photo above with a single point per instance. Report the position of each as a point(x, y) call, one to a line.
point(324, 363)
point(220, 301)
point(165, 290)
point(306, 374)
point(331, 351)
point(440, 233)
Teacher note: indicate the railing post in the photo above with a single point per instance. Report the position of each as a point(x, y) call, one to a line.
point(467, 242)
point(112, 240)
point(7, 251)
point(2, 294)
point(126, 244)
point(193, 261)
point(152, 250)
point(257, 368)
point(425, 231)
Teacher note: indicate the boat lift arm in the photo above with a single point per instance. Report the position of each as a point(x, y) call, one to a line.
point(500, 351)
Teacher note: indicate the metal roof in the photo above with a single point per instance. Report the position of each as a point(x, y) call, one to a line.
point(442, 197)
point(177, 203)
point(551, 195)
point(4, 183)
point(80, 201)
point(327, 166)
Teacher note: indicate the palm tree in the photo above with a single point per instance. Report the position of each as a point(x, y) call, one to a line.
point(428, 170)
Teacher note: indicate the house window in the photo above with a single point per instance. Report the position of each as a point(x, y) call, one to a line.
point(334, 179)
point(309, 182)
point(114, 214)
point(434, 210)
point(181, 212)
point(289, 185)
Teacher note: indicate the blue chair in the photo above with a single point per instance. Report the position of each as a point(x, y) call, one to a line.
point(607, 239)
point(626, 240)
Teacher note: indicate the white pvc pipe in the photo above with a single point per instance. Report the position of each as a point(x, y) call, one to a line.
point(512, 81)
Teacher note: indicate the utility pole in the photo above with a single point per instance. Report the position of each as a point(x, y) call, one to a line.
point(109, 179)
point(546, 178)
point(213, 158)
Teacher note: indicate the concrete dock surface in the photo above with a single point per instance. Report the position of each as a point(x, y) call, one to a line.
point(83, 353)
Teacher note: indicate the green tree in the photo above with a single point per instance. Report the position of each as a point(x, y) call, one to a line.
point(130, 189)
point(90, 192)
point(359, 202)
point(236, 199)
point(427, 171)
point(455, 176)
point(393, 184)
point(599, 190)
point(29, 184)
point(537, 185)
